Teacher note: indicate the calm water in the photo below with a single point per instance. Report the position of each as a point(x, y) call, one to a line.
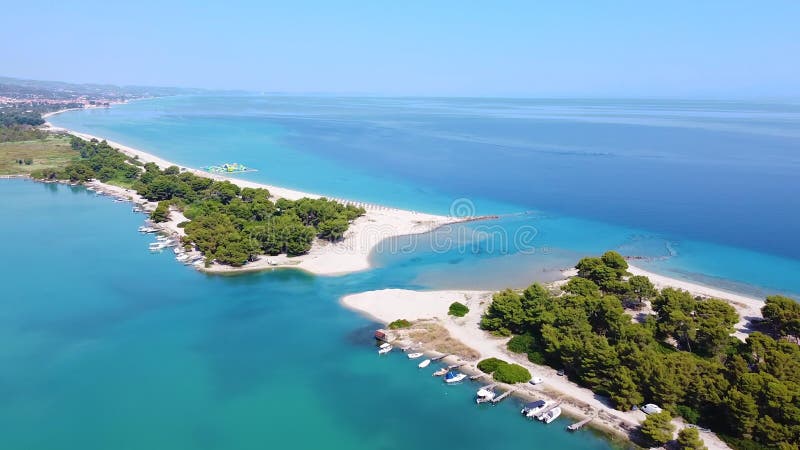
point(705, 188)
point(104, 345)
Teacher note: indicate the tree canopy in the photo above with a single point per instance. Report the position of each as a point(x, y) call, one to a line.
point(658, 429)
point(682, 357)
point(227, 224)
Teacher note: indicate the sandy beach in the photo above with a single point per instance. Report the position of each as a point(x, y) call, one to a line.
point(351, 254)
point(391, 304)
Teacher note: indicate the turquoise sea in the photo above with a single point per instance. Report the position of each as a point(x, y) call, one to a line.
point(104, 345)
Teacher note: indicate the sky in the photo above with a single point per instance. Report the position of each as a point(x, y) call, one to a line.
point(709, 48)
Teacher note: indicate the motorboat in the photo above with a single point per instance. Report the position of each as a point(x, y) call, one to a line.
point(440, 372)
point(414, 355)
point(424, 364)
point(533, 408)
point(385, 344)
point(384, 350)
point(485, 394)
point(454, 377)
point(551, 415)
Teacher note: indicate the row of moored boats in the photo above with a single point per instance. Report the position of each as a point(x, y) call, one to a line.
point(541, 410)
point(449, 374)
point(164, 242)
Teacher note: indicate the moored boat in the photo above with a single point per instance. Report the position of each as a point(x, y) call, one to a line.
point(531, 409)
point(454, 377)
point(440, 372)
point(485, 394)
point(384, 350)
point(424, 364)
point(414, 355)
point(551, 415)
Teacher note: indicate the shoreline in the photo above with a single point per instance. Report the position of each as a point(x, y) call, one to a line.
point(430, 308)
point(351, 254)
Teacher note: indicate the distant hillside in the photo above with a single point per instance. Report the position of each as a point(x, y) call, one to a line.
point(19, 88)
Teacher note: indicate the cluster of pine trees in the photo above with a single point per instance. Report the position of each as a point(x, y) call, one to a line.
point(682, 356)
point(228, 224)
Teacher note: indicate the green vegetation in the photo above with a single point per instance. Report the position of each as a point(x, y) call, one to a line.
point(657, 428)
point(783, 315)
point(26, 152)
point(689, 439)
point(399, 323)
point(458, 309)
point(228, 224)
point(512, 373)
point(525, 343)
point(504, 372)
point(161, 213)
point(11, 116)
point(489, 365)
point(682, 357)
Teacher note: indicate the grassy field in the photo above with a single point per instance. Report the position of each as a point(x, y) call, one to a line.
point(53, 151)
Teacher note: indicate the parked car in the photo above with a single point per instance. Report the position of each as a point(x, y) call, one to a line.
point(536, 380)
point(651, 409)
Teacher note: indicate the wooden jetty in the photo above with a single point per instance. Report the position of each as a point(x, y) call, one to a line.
point(502, 396)
point(475, 377)
point(455, 366)
point(578, 425)
point(440, 357)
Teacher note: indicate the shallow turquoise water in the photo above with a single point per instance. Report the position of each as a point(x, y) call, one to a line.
point(700, 187)
point(104, 345)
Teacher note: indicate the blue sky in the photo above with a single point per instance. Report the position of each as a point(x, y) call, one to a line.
point(527, 48)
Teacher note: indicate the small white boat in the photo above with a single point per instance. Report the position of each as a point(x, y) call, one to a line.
point(454, 377)
point(484, 394)
point(531, 409)
point(551, 415)
point(384, 350)
point(385, 344)
point(440, 372)
point(424, 364)
point(272, 262)
point(414, 355)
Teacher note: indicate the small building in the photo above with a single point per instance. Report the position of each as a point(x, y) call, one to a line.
point(383, 335)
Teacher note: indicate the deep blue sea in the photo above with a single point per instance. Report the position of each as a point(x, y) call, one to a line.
point(104, 345)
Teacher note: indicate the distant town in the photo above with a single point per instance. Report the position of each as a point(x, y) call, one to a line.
point(23, 102)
